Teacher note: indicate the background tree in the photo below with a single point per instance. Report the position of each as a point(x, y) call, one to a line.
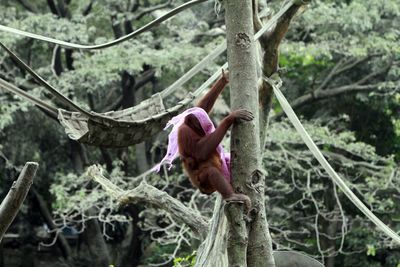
point(341, 63)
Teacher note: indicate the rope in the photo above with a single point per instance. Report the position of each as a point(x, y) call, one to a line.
point(276, 83)
point(219, 50)
point(108, 44)
point(43, 82)
point(13, 89)
point(178, 83)
point(194, 70)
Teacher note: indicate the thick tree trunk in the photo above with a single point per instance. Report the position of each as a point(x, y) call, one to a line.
point(133, 251)
point(97, 246)
point(246, 246)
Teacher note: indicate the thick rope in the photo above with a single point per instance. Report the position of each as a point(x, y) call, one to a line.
point(276, 83)
point(194, 70)
point(178, 83)
point(108, 44)
point(13, 89)
point(257, 35)
point(43, 82)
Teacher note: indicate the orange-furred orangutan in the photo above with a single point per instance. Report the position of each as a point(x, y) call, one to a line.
point(198, 150)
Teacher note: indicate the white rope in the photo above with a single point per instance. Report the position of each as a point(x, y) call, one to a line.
point(276, 82)
point(221, 48)
point(145, 28)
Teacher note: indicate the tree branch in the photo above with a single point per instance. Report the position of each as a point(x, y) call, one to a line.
point(133, 5)
point(146, 77)
point(149, 194)
point(315, 96)
point(374, 74)
point(358, 86)
point(270, 42)
point(16, 196)
point(334, 72)
point(342, 66)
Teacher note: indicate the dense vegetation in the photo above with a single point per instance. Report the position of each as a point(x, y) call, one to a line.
point(341, 73)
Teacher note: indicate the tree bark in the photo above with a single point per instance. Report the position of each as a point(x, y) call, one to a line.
point(133, 252)
point(94, 239)
point(247, 246)
point(16, 196)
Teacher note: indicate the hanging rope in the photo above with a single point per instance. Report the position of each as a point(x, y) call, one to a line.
point(46, 85)
point(194, 70)
point(13, 89)
point(133, 125)
point(217, 51)
point(108, 44)
point(178, 83)
point(276, 83)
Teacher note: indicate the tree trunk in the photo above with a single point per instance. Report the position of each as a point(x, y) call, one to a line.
point(97, 246)
point(247, 246)
point(133, 251)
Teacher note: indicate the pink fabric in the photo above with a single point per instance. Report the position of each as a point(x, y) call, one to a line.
point(208, 127)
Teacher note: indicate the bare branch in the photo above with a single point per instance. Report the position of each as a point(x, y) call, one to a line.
point(16, 196)
point(56, 61)
point(149, 194)
point(334, 72)
point(355, 63)
point(257, 23)
point(270, 43)
point(374, 74)
point(314, 96)
point(133, 5)
point(145, 77)
point(342, 66)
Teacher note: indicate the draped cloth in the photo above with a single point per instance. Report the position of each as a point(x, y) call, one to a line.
point(208, 128)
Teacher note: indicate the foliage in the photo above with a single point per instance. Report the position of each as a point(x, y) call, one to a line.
point(185, 261)
point(302, 196)
point(358, 132)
